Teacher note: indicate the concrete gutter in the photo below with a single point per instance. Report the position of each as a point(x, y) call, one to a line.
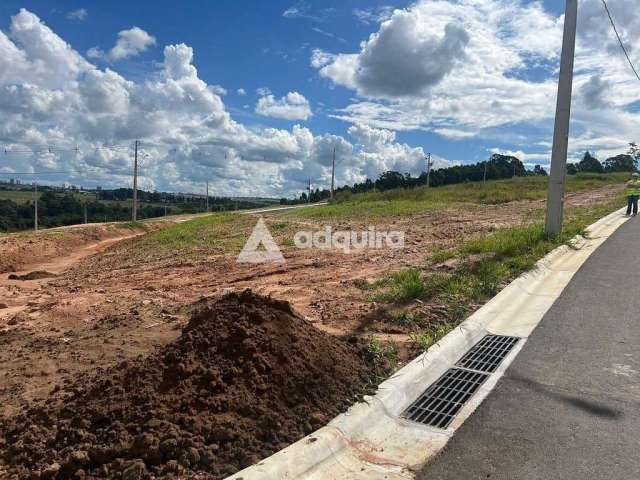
point(370, 441)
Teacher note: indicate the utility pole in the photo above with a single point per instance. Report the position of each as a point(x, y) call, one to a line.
point(85, 214)
point(333, 172)
point(429, 165)
point(207, 203)
point(555, 195)
point(484, 177)
point(134, 215)
point(35, 221)
point(309, 197)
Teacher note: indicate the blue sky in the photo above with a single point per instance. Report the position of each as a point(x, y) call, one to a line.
point(478, 92)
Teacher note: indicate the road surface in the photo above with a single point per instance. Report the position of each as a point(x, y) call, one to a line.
point(569, 406)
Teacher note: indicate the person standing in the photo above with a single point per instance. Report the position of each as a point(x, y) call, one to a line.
point(633, 193)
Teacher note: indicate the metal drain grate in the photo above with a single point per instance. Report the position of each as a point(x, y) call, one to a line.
point(443, 400)
point(487, 355)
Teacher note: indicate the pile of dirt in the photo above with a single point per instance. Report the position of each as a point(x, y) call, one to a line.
point(247, 377)
point(37, 275)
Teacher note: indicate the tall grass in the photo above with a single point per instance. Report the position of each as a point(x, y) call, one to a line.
point(403, 201)
point(483, 265)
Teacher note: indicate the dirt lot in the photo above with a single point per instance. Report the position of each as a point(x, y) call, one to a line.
point(19, 250)
point(124, 301)
point(247, 377)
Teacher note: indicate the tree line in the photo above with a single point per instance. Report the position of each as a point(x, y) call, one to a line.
point(57, 209)
point(496, 168)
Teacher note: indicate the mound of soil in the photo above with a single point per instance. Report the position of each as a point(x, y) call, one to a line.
point(37, 275)
point(247, 377)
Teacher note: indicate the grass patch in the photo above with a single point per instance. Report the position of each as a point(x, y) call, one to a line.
point(424, 340)
point(402, 201)
point(402, 286)
point(484, 265)
point(382, 356)
point(217, 233)
point(406, 318)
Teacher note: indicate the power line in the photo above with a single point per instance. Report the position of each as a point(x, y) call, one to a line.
point(626, 54)
point(36, 173)
point(32, 151)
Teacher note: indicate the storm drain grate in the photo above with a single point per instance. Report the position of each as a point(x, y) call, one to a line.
point(487, 355)
point(440, 403)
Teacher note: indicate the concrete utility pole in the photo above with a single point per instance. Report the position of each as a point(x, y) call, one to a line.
point(484, 177)
point(35, 198)
point(309, 197)
point(555, 195)
point(333, 172)
point(134, 214)
point(207, 203)
point(429, 165)
point(86, 220)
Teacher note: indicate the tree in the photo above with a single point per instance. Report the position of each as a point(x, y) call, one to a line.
point(620, 163)
point(389, 180)
point(505, 166)
point(572, 169)
point(539, 170)
point(634, 151)
point(589, 163)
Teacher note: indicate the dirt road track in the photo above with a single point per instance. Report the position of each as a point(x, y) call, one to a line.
point(56, 266)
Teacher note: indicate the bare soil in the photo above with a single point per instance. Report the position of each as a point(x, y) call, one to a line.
point(19, 250)
point(110, 304)
point(247, 377)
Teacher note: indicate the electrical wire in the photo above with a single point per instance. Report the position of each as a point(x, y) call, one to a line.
point(35, 173)
point(53, 149)
point(626, 54)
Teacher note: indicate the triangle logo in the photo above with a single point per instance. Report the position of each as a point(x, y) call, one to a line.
point(260, 236)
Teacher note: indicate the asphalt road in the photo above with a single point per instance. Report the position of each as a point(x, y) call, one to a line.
point(569, 406)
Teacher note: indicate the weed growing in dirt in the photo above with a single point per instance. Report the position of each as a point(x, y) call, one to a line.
point(134, 225)
point(405, 318)
point(442, 255)
point(363, 284)
point(404, 285)
point(424, 340)
point(383, 357)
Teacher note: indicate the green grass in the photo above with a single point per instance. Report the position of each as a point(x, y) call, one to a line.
point(22, 196)
point(405, 318)
point(400, 202)
point(484, 265)
point(17, 196)
point(382, 356)
point(425, 339)
point(216, 233)
point(397, 287)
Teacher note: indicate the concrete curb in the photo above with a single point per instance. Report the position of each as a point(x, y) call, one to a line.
point(370, 441)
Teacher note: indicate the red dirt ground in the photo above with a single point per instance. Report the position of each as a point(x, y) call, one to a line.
point(108, 305)
point(247, 377)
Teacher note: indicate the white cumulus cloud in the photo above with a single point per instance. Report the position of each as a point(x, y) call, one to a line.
point(479, 68)
point(293, 106)
point(51, 95)
point(130, 43)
